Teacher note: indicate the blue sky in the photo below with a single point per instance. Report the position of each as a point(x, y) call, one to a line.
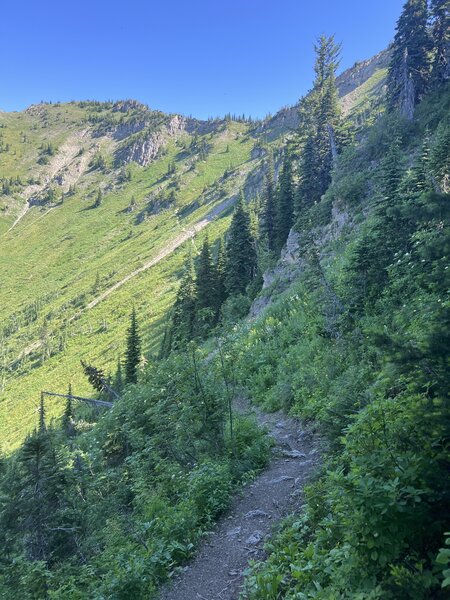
point(199, 57)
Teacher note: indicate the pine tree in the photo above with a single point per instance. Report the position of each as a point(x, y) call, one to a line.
point(42, 426)
point(267, 217)
point(440, 12)
point(207, 290)
point(409, 69)
point(133, 352)
point(98, 199)
point(241, 252)
point(221, 270)
point(184, 315)
point(391, 173)
point(284, 216)
point(41, 501)
point(67, 419)
point(320, 127)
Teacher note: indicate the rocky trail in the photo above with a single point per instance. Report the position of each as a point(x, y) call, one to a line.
point(216, 573)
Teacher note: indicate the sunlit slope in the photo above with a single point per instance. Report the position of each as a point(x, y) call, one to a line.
point(62, 256)
point(72, 266)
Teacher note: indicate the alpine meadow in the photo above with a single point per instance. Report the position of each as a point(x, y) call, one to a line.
point(224, 342)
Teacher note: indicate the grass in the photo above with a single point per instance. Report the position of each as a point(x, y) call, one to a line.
point(58, 258)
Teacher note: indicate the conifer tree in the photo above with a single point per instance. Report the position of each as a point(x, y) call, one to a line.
point(241, 252)
point(98, 199)
point(184, 314)
point(440, 13)
point(267, 218)
point(133, 352)
point(221, 270)
point(409, 69)
point(284, 216)
point(320, 126)
point(207, 290)
point(67, 420)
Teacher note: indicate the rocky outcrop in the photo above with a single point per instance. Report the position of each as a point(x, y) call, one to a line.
point(286, 120)
point(292, 260)
point(361, 71)
point(145, 147)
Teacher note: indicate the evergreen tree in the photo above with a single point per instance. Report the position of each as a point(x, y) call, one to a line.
point(391, 173)
point(184, 314)
point(320, 127)
point(42, 427)
point(284, 216)
point(133, 352)
point(207, 289)
point(67, 420)
point(221, 270)
point(409, 69)
point(241, 252)
point(440, 12)
point(267, 217)
point(98, 199)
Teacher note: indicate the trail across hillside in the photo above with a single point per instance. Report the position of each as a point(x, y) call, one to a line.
point(166, 250)
point(217, 571)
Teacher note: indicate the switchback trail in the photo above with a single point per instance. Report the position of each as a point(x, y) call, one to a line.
point(216, 573)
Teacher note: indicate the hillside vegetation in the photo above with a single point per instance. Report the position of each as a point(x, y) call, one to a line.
point(321, 288)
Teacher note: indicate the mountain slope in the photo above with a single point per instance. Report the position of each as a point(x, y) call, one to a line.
point(70, 269)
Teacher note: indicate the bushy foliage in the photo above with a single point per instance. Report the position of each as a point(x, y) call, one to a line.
point(112, 512)
point(373, 374)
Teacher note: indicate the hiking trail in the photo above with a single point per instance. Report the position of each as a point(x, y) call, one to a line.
point(216, 572)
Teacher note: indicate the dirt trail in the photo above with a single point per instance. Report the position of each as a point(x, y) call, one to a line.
point(166, 250)
point(217, 571)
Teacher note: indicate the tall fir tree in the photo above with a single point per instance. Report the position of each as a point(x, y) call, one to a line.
point(267, 217)
point(320, 129)
point(440, 14)
point(221, 270)
point(241, 252)
point(207, 290)
point(67, 420)
point(133, 352)
point(409, 69)
point(184, 313)
point(284, 208)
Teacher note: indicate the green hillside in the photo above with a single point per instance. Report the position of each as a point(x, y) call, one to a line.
point(160, 176)
point(259, 313)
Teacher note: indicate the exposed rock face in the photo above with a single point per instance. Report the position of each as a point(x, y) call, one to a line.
point(286, 119)
point(352, 78)
point(145, 147)
point(203, 127)
point(292, 261)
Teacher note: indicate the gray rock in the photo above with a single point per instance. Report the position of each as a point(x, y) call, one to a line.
point(255, 538)
point(281, 479)
point(294, 454)
point(233, 532)
point(253, 514)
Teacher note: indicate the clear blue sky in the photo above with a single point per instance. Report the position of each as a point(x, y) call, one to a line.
point(199, 57)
